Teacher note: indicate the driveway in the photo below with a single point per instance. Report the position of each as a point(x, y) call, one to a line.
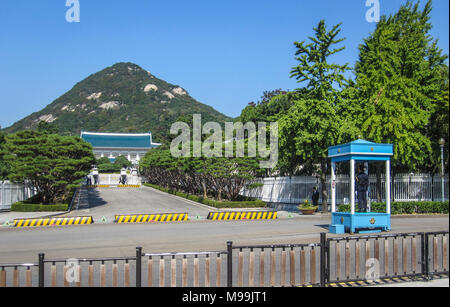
point(107, 202)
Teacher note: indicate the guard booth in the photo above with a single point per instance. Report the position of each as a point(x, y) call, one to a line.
point(359, 151)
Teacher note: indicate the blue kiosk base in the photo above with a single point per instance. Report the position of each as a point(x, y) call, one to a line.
point(342, 222)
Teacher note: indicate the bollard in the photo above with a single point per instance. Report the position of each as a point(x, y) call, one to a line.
point(230, 264)
point(41, 270)
point(323, 255)
point(138, 266)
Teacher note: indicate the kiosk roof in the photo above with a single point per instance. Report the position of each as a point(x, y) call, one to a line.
point(361, 150)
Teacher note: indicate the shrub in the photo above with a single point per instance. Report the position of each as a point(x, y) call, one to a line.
point(420, 207)
point(25, 207)
point(211, 202)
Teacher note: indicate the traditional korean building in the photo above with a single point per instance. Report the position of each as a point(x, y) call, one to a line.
point(112, 145)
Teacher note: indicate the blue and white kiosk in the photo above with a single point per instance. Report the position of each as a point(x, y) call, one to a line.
point(363, 152)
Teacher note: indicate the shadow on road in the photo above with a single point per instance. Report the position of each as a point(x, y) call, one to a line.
point(90, 198)
point(326, 227)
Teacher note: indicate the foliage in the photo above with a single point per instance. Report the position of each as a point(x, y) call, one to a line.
point(419, 207)
point(122, 161)
point(210, 202)
point(398, 80)
point(4, 167)
point(438, 127)
point(306, 205)
point(48, 128)
point(25, 207)
point(313, 124)
point(216, 176)
point(53, 164)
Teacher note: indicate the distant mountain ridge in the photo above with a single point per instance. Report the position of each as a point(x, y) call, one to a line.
point(123, 98)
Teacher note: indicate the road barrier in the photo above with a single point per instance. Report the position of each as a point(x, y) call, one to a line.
point(243, 215)
point(128, 186)
point(98, 186)
point(334, 262)
point(151, 218)
point(59, 221)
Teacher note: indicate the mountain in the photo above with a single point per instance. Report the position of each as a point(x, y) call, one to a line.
point(123, 98)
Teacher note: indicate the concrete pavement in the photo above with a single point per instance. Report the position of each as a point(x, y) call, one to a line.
point(107, 202)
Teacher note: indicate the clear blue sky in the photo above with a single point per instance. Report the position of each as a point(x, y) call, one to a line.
point(224, 52)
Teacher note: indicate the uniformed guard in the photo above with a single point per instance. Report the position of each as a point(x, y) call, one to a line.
point(95, 175)
point(123, 176)
point(362, 185)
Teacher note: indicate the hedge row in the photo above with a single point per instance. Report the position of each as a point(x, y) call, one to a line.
point(421, 207)
point(210, 202)
point(24, 207)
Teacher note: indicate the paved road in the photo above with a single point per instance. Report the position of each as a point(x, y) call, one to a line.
point(110, 240)
point(111, 201)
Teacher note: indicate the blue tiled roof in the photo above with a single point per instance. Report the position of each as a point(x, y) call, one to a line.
point(119, 140)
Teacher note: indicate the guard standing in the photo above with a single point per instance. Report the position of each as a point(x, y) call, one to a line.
point(123, 176)
point(95, 175)
point(315, 197)
point(362, 185)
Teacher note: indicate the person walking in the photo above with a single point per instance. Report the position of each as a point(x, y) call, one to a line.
point(362, 185)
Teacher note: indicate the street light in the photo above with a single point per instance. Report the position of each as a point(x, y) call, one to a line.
point(442, 143)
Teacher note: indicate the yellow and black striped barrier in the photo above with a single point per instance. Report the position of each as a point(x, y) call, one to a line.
point(98, 186)
point(128, 186)
point(59, 221)
point(151, 218)
point(254, 215)
point(368, 283)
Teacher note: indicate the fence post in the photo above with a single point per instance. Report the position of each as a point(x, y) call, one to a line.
point(138, 266)
point(41, 270)
point(229, 264)
point(323, 257)
point(425, 254)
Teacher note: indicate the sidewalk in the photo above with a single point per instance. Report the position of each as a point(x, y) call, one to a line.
point(436, 283)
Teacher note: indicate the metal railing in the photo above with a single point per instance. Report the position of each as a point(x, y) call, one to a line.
point(11, 193)
point(404, 187)
point(332, 260)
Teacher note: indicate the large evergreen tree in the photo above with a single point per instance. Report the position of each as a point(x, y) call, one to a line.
point(313, 124)
point(398, 79)
point(51, 163)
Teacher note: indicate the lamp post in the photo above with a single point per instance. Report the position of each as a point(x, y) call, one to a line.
point(442, 143)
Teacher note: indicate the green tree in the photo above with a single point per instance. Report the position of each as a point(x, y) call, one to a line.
point(313, 124)
point(103, 160)
point(51, 163)
point(4, 167)
point(122, 161)
point(49, 128)
point(398, 78)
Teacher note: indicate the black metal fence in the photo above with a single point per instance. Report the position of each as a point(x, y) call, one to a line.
point(332, 260)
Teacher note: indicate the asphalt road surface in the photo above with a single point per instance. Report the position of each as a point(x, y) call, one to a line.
point(107, 202)
point(19, 245)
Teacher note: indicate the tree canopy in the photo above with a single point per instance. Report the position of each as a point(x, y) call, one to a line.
point(399, 80)
point(51, 163)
